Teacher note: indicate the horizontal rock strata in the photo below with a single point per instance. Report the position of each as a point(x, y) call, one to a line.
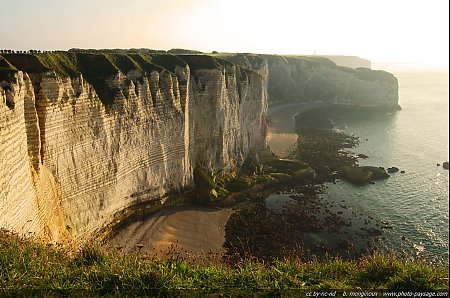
point(86, 134)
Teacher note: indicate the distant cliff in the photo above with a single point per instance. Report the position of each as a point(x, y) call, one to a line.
point(85, 134)
point(306, 79)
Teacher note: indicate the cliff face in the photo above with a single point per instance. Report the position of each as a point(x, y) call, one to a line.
point(85, 135)
point(69, 162)
point(29, 195)
point(224, 131)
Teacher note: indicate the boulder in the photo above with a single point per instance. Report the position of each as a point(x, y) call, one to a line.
point(362, 175)
point(378, 172)
point(286, 166)
point(281, 177)
point(237, 184)
point(445, 165)
point(392, 170)
point(303, 174)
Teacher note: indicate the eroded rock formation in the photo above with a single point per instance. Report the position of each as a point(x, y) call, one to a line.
point(69, 161)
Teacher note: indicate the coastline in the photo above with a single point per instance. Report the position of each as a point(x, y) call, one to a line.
point(281, 134)
point(307, 227)
point(286, 122)
point(137, 269)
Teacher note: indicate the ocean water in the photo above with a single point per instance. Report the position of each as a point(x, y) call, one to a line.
point(415, 139)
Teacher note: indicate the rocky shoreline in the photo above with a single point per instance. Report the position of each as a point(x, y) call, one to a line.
point(306, 225)
point(303, 224)
point(278, 207)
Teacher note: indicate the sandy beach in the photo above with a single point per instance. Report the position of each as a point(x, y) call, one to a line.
point(281, 117)
point(197, 229)
point(308, 224)
point(182, 229)
point(281, 135)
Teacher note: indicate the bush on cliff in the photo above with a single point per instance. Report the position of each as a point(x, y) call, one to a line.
point(6, 69)
point(207, 189)
point(203, 179)
point(251, 165)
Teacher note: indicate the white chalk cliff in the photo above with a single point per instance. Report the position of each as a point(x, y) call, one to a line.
point(72, 155)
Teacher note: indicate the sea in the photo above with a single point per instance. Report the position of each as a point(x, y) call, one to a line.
point(415, 140)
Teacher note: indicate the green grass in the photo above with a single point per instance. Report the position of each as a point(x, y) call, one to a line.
point(168, 61)
point(251, 61)
point(63, 63)
point(145, 62)
point(26, 264)
point(97, 65)
point(4, 64)
point(123, 62)
point(315, 60)
point(197, 62)
point(6, 69)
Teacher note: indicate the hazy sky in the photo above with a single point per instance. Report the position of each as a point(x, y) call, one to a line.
point(409, 32)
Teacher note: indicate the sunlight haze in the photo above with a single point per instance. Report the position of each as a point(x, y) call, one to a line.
point(408, 33)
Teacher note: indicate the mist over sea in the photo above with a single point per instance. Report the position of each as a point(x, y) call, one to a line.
point(415, 139)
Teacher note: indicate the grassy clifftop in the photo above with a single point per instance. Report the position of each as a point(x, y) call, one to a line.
point(290, 78)
point(95, 66)
point(103, 62)
point(28, 265)
point(253, 61)
point(6, 69)
point(71, 64)
point(108, 62)
point(98, 65)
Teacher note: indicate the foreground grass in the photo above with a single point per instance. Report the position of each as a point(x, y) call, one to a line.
point(28, 265)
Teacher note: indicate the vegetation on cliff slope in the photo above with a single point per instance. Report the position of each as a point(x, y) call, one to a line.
point(286, 82)
point(6, 69)
point(28, 265)
point(97, 66)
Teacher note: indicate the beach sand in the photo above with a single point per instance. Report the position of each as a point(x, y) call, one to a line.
point(282, 136)
point(309, 225)
point(188, 229)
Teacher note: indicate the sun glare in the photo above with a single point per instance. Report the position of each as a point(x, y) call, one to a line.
point(409, 32)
